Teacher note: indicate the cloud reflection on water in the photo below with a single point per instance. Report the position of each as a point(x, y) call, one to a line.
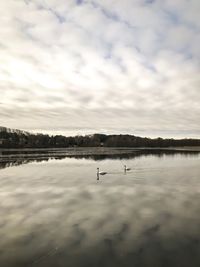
point(73, 220)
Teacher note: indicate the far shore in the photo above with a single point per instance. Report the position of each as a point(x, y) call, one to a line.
point(104, 149)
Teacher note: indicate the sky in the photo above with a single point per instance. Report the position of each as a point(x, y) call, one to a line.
point(109, 66)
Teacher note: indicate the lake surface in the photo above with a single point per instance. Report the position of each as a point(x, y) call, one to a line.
point(55, 211)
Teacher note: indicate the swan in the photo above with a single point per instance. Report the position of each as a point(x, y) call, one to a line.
point(101, 173)
point(126, 168)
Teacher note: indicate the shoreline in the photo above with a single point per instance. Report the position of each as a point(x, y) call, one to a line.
point(183, 148)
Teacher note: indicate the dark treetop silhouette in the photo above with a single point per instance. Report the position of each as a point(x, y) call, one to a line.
point(10, 138)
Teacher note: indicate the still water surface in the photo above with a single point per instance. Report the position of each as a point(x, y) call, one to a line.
point(57, 213)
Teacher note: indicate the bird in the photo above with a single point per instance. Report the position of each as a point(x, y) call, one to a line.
point(101, 173)
point(126, 168)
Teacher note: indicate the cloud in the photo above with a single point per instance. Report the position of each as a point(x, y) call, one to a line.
point(110, 66)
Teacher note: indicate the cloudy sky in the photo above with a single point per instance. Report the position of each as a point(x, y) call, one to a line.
point(112, 66)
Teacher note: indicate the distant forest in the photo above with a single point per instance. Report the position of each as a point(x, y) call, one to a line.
point(10, 138)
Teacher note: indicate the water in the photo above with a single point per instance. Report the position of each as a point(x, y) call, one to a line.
point(55, 212)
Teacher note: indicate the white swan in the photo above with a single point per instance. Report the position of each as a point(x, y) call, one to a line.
point(126, 168)
point(100, 173)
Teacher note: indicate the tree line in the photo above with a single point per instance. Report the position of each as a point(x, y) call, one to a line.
point(20, 139)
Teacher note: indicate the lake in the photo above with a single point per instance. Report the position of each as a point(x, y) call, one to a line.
point(55, 211)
